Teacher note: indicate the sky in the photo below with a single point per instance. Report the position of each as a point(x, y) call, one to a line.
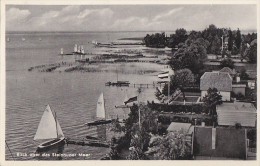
point(128, 17)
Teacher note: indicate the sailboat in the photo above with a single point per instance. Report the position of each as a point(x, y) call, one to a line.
point(117, 83)
point(49, 128)
point(61, 51)
point(101, 113)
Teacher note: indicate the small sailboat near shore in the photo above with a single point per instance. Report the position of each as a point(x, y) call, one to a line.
point(49, 128)
point(101, 113)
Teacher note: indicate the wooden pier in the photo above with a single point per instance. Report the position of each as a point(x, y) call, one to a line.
point(87, 142)
point(143, 85)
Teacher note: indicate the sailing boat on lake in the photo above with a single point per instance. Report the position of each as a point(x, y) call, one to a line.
point(49, 128)
point(101, 113)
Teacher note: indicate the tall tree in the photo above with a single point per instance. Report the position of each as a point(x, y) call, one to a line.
point(212, 99)
point(243, 74)
point(190, 56)
point(216, 46)
point(227, 62)
point(180, 36)
point(230, 40)
point(252, 53)
point(180, 79)
point(238, 39)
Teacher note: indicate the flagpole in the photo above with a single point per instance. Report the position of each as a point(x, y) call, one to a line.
point(139, 113)
point(168, 91)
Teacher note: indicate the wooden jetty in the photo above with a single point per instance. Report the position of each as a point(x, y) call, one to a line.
point(144, 85)
point(87, 142)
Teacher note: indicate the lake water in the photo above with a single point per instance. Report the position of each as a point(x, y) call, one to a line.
point(72, 95)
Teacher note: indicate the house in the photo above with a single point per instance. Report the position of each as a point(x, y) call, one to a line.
point(238, 112)
point(219, 143)
point(220, 80)
point(251, 84)
point(239, 88)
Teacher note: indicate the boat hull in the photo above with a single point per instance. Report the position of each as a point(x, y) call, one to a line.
point(98, 122)
point(51, 144)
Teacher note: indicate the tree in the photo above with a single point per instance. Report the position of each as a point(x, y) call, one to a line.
point(227, 62)
point(252, 54)
point(180, 36)
point(156, 40)
point(140, 136)
point(215, 46)
point(243, 74)
point(190, 56)
point(230, 40)
point(180, 79)
point(173, 146)
point(211, 99)
point(238, 39)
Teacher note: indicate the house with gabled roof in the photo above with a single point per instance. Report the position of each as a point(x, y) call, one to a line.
point(222, 81)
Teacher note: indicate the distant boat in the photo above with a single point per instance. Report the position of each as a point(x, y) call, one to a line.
point(40, 39)
point(78, 50)
point(97, 44)
point(100, 113)
point(23, 39)
point(117, 83)
point(61, 51)
point(49, 128)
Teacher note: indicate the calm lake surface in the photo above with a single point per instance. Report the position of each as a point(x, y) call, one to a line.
point(72, 95)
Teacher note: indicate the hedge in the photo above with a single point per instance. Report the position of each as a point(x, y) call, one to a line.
point(166, 120)
point(194, 108)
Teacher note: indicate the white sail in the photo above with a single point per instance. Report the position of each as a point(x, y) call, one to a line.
point(79, 49)
point(75, 48)
point(47, 126)
point(101, 113)
point(61, 51)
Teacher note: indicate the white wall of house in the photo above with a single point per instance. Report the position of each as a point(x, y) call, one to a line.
point(225, 95)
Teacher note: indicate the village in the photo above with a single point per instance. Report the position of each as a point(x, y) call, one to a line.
point(207, 106)
point(129, 81)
